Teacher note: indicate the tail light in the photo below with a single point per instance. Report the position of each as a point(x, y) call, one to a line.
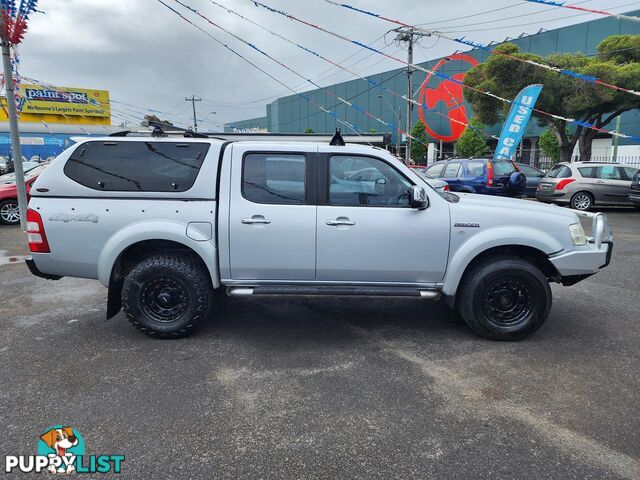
point(489, 174)
point(35, 233)
point(446, 188)
point(563, 183)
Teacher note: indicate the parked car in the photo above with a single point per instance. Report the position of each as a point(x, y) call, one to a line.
point(480, 175)
point(581, 185)
point(437, 184)
point(533, 175)
point(169, 225)
point(4, 165)
point(634, 191)
point(9, 214)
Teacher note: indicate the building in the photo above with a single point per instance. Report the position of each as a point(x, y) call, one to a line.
point(293, 114)
point(51, 116)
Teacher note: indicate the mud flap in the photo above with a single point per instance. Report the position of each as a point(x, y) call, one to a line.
point(114, 298)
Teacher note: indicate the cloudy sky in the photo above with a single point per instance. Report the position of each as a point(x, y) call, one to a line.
point(148, 57)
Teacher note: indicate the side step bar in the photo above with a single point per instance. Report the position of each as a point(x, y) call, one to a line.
point(331, 290)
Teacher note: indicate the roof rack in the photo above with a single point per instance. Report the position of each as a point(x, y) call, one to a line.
point(163, 130)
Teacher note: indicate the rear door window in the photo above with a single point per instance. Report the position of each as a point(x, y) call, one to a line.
point(588, 172)
point(451, 170)
point(609, 172)
point(137, 166)
point(274, 178)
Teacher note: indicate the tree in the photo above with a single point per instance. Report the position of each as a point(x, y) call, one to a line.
point(308, 130)
point(472, 142)
point(419, 148)
point(549, 145)
point(562, 95)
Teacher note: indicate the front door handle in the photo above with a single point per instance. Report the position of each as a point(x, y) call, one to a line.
point(255, 220)
point(340, 222)
point(599, 181)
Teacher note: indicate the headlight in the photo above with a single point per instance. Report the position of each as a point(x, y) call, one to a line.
point(577, 234)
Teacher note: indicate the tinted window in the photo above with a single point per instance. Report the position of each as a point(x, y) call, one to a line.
point(375, 184)
point(630, 172)
point(436, 170)
point(559, 171)
point(609, 172)
point(475, 169)
point(137, 166)
point(451, 170)
point(588, 172)
point(274, 178)
point(503, 168)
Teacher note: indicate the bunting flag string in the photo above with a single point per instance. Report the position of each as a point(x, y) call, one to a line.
point(353, 105)
point(301, 95)
point(583, 9)
point(15, 18)
point(439, 74)
point(490, 49)
point(338, 65)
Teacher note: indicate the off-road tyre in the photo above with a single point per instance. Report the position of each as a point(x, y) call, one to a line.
point(504, 298)
point(167, 295)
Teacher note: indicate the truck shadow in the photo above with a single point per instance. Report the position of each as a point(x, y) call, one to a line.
point(322, 319)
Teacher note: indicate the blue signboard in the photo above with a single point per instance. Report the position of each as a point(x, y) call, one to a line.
point(516, 122)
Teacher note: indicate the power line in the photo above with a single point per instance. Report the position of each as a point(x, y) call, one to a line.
point(579, 123)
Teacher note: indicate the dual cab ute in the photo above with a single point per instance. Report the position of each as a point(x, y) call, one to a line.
point(169, 224)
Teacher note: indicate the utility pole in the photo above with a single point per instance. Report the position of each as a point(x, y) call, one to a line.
point(409, 36)
point(193, 101)
point(13, 125)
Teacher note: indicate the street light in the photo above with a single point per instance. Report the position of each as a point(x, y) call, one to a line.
point(397, 117)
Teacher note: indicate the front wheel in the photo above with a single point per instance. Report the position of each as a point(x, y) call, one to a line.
point(167, 295)
point(504, 299)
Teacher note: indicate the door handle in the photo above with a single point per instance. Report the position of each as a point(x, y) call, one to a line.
point(255, 220)
point(340, 223)
point(600, 181)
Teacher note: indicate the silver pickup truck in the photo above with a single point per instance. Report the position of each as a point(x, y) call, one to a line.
point(169, 224)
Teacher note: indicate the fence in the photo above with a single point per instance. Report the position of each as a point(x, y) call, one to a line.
point(546, 163)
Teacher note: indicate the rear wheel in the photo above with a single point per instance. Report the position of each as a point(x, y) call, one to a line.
point(582, 201)
point(167, 295)
point(9, 213)
point(504, 298)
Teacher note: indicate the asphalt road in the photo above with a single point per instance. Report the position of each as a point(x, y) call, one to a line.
point(330, 388)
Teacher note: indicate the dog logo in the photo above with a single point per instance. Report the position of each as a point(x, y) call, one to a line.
point(64, 443)
point(61, 449)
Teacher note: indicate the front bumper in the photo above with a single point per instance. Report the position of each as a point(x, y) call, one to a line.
point(586, 260)
point(31, 265)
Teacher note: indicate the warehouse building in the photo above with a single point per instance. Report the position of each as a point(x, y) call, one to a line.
point(293, 114)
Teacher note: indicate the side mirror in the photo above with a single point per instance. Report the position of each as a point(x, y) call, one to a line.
point(418, 198)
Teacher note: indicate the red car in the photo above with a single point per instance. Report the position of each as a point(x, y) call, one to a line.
point(9, 214)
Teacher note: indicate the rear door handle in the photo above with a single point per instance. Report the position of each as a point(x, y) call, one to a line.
point(600, 181)
point(340, 222)
point(255, 220)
